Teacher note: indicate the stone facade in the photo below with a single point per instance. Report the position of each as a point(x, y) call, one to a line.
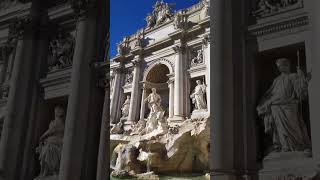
point(52, 74)
point(233, 95)
point(164, 69)
point(251, 138)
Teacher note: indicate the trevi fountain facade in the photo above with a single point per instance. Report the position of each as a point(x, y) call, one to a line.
point(160, 86)
point(224, 89)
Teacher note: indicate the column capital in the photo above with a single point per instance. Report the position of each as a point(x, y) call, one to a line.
point(179, 48)
point(81, 7)
point(170, 81)
point(118, 70)
point(136, 62)
point(17, 28)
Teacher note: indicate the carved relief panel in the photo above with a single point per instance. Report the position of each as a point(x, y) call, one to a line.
point(196, 56)
point(266, 8)
point(61, 49)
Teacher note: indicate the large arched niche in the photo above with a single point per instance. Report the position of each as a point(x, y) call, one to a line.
point(156, 76)
point(161, 65)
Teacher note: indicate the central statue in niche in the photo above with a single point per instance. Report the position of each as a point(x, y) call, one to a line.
point(156, 111)
point(279, 108)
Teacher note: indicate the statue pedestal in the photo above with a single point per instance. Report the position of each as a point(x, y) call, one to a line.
point(289, 166)
point(200, 114)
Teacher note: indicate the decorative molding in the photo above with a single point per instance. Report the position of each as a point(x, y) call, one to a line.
point(281, 26)
point(267, 8)
point(57, 83)
point(81, 7)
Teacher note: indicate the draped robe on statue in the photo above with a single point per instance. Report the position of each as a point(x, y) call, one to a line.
point(198, 97)
point(282, 116)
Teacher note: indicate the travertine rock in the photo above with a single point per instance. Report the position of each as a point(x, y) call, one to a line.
point(187, 150)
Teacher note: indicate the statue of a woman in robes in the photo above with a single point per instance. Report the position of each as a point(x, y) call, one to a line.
point(198, 96)
point(50, 145)
point(125, 107)
point(279, 108)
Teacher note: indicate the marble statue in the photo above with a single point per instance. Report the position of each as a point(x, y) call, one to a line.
point(139, 39)
point(162, 12)
point(280, 110)
point(122, 47)
point(139, 128)
point(198, 59)
point(180, 20)
point(61, 51)
point(155, 118)
point(154, 102)
point(197, 96)
point(206, 8)
point(125, 107)
point(266, 7)
point(118, 128)
point(50, 146)
point(129, 78)
point(125, 161)
point(150, 20)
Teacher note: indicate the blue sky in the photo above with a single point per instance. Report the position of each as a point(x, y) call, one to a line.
point(127, 16)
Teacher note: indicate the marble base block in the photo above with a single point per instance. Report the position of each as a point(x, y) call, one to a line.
point(199, 114)
point(289, 166)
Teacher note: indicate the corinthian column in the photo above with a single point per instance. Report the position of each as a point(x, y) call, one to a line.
point(82, 120)
point(143, 105)
point(115, 97)
point(179, 89)
point(206, 53)
point(171, 97)
point(19, 102)
point(134, 101)
point(314, 86)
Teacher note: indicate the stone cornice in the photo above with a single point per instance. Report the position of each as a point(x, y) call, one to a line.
point(60, 12)
point(269, 28)
point(18, 11)
point(57, 83)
